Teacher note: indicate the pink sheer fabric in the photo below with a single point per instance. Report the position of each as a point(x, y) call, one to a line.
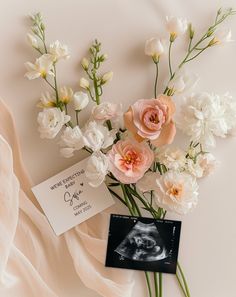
point(33, 260)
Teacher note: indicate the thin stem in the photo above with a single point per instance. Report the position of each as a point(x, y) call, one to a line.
point(156, 78)
point(155, 275)
point(160, 284)
point(148, 283)
point(55, 83)
point(184, 279)
point(49, 83)
point(169, 58)
point(181, 285)
point(77, 117)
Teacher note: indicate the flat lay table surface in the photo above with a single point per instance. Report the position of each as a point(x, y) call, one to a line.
point(208, 239)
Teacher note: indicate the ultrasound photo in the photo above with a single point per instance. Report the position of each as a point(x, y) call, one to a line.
point(143, 243)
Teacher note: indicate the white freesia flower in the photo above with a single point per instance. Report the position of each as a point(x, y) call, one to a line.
point(32, 40)
point(174, 191)
point(202, 166)
point(51, 120)
point(42, 67)
point(58, 51)
point(154, 48)
point(172, 158)
point(97, 168)
point(222, 36)
point(65, 94)
point(106, 111)
point(47, 100)
point(97, 136)
point(80, 100)
point(107, 77)
point(176, 26)
point(84, 83)
point(71, 141)
point(202, 117)
point(183, 82)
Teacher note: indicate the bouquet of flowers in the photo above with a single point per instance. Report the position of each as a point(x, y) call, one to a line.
point(132, 150)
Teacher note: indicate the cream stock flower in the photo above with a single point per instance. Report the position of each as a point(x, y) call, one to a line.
point(50, 121)
point(84, 83)
point(58, 51)
point(97, 168)
point(176, 26)
point(42, 67)
point(47, 100)
point(174, 191)
point(80, 100)
point(65, 94)
point(71, 141)
point(97, 136)
point(154, 48)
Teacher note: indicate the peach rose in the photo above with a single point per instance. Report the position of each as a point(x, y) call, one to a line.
point(152, 119)
point(129, 160)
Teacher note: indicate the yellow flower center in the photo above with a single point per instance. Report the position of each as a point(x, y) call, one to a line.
point(175, 190)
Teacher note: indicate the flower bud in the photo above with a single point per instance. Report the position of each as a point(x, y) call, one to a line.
point(32, 40)
point(81, 100)
point(154, 47)
point(84, 83)
point(85, 64)
point(107, 77)
point(176, 26)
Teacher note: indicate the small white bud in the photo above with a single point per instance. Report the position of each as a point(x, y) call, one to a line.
point(84, 83)
point(107, 77)
point(81, 100)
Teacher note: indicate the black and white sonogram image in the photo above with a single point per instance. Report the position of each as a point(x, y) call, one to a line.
point(143, 243)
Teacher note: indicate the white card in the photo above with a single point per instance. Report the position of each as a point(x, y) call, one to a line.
point(68, 200)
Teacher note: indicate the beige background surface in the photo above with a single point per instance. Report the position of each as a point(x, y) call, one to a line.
point(209, 236)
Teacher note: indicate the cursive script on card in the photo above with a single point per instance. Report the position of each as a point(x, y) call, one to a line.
point(68, 197)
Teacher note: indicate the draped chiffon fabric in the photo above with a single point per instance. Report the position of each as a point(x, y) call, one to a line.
point(34, 262)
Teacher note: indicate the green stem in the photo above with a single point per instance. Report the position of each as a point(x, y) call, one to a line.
point(184, 279)
point(155, 275)
point(148, 283)
point(169, 58)
point(156, 78)
point(55, 83)
point(77, 117)
point(160, 284)
point(181, 285)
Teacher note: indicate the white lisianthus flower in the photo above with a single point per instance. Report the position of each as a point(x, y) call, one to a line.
point(32, 40)
point(172, 158)
point(42, 67)
point(47, 100)
point(202, 117)
point(97, 168)
point(183, 82)
point(221, 36)
point(154, 48)
point(106, 111)
point(58, 51)
point(97, 136)
point(51, 120)
point(203, 165)
point(71, 141)
point(174, 191)
point(176, 26)
point(80, 100)
point(65, 94)
point(84, 83)
point(107, 77)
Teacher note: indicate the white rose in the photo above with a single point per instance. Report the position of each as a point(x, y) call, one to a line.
point(51, 120)
point(59, 51)
point(42, 67)
point(84, 83)
point(71, 140)
point(174, 191)
point(97, 136)
point(97, 168)
point(80, 100)
point(32, 40)
point(154, 47)
point(176, 26)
